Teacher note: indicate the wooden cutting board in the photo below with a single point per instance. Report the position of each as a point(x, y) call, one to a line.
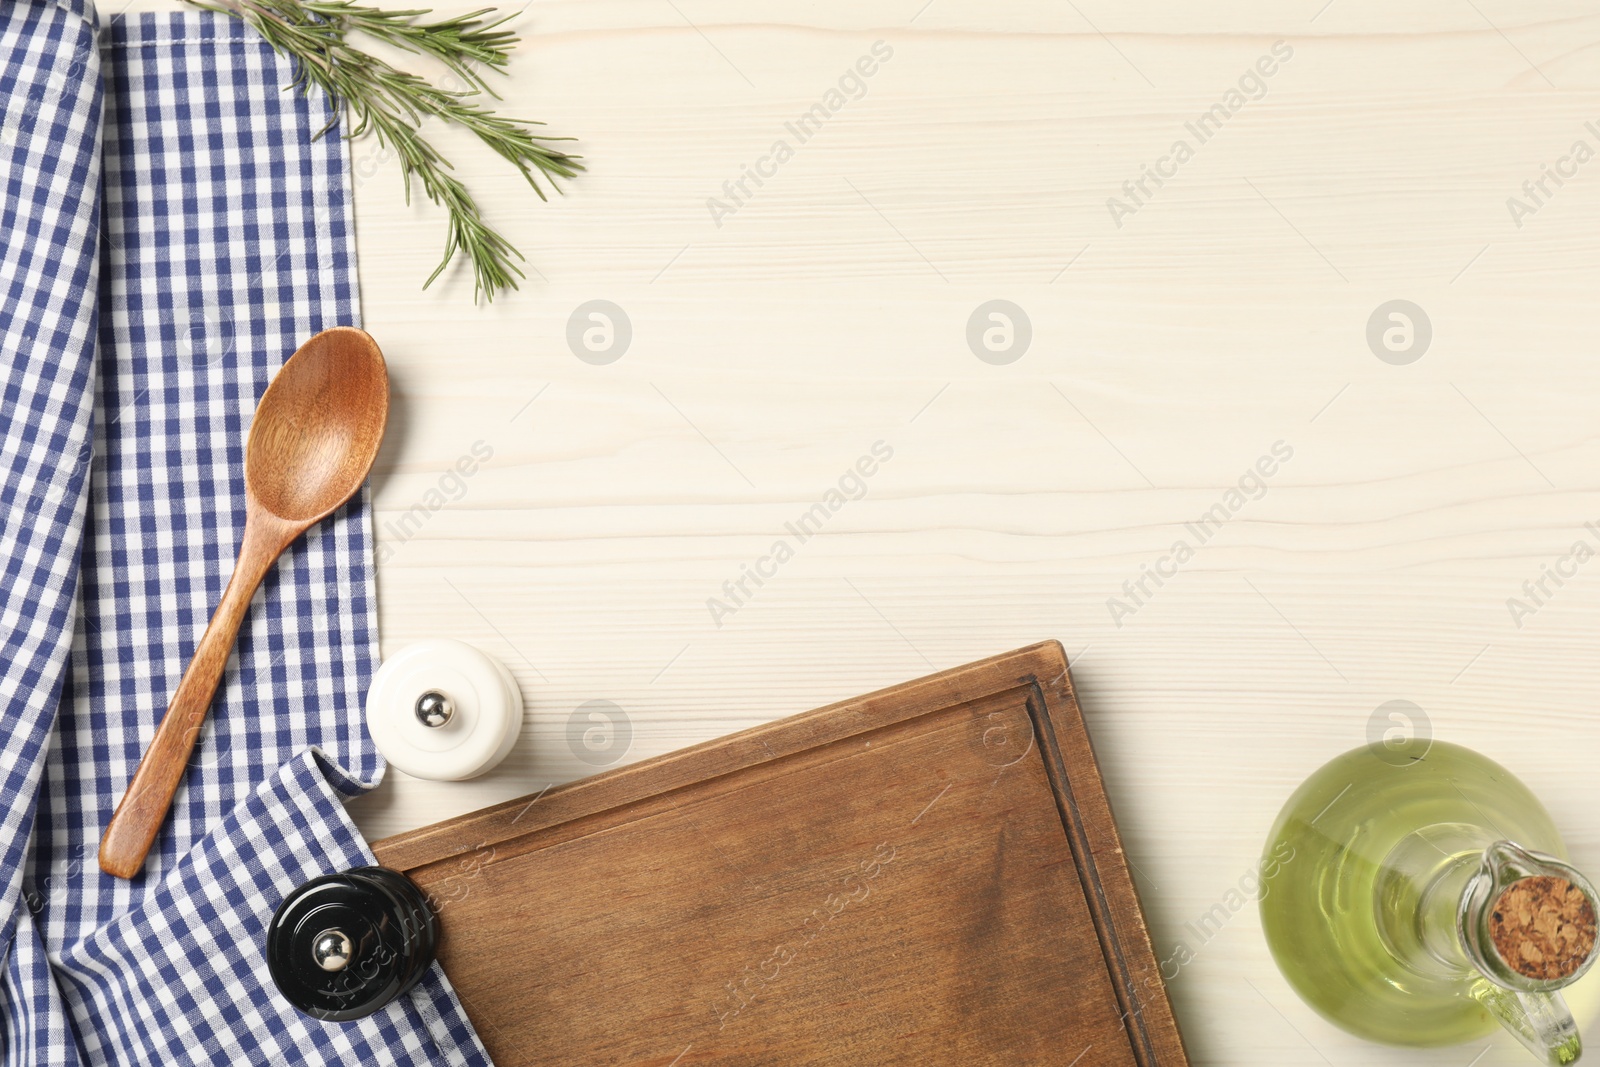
point(926, 875)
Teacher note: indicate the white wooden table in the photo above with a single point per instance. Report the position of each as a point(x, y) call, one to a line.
point(1226, 313)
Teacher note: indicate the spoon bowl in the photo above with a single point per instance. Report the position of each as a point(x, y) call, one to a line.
point(315, 434)
point(318, 426)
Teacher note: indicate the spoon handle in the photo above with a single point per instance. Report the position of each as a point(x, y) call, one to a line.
point(144, 806)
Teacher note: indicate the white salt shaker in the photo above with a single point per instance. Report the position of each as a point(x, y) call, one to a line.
point(444, 710)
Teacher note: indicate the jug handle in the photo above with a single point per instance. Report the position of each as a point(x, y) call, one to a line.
point(1541, 1021)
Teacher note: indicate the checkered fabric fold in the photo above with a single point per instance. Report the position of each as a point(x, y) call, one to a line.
point(171, 231)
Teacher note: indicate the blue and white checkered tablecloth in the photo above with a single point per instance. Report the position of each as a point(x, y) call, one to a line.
point(169, 233)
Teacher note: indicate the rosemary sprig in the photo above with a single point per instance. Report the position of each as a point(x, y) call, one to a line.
point(392, 103)
point(460, 43)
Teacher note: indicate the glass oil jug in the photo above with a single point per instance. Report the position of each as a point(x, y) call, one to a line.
point(1425, 897)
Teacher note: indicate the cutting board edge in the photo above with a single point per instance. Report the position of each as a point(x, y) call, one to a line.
point(1042, 662)
point(1089, 820)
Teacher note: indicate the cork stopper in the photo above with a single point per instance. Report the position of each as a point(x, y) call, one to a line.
point(1543, 927)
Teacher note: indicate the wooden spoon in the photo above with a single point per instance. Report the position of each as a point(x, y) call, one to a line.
point(312, 442)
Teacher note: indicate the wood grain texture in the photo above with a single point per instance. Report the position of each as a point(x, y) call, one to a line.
point(1168, 355)
point(313, 439)
point(929, 873)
